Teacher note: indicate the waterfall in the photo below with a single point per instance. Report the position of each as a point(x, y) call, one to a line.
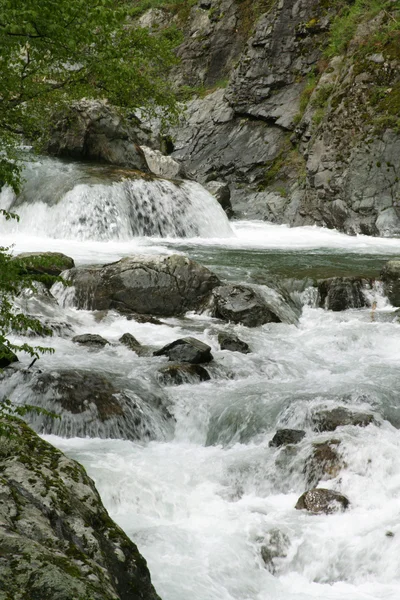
point(86, 202)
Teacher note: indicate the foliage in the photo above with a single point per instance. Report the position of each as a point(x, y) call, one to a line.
point(55, 51)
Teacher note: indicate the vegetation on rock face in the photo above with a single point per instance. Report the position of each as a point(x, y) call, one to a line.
point(53, 53)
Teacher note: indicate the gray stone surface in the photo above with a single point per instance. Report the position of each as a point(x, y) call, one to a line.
point(156, 285)
point(241, 304)
point(57, 541)
point(320, 500)
point(187, 350)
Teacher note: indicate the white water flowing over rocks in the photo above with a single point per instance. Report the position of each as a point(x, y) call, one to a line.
point(200, 503)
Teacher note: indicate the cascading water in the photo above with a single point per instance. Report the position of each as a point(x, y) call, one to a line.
point(206, 495)
point(83, 202)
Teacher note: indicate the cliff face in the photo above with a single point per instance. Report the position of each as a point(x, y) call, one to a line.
point(301, 134)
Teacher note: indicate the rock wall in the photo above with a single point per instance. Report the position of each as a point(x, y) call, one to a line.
point(299, 138)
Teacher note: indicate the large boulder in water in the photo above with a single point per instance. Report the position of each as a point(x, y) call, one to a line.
point(44, 263)
point(284, 437)
point(323, 463)
point(241, 304)
point(155, 285)
point(320, 500)
point(187, 350)
point(341, 293)
point(88, 404)
point(331, 419)
point(178, 374)
point(92, 130)
point(57, 541)
point(391, 281)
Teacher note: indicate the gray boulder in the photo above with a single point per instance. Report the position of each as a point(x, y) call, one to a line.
point(155, 285)
point(330, 419)
point(391, 281)
point(241, 304)
point(283, 437)
point(320, 500)
point(90, 339)
point(229, 341)
point(92, 130)
point(130, 342)
point(187, 350)
point(178, 374)
point(57, 541)
point(341, 293)
point(221, 192)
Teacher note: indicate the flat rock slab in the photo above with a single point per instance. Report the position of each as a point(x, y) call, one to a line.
point(186, 350)
point(150, 285)
point(320, 500)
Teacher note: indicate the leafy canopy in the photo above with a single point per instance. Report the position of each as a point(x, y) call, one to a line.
point(53, 52)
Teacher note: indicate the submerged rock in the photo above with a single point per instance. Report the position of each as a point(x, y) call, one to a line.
point(88, 404)
point(57, 541)
point(188, 350)
point(229, 341)
point(274, 546)
point(329, 420)
point(391, 281)
point(7, 357)
point(155, 285)
point(341, 293)
point(283, 437)
point(323, 463)
point(90, 339)
point(180, 374)
point(320, 500)
point(241, 304)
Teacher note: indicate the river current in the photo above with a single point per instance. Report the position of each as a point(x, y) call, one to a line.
point(201, 501)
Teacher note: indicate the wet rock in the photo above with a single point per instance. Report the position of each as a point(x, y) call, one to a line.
point(222, 193)
point(57, 541)
point(155, 285)
point(179, 374)
point(188, 350)
point(7, 357)
point(274, 546)
point(49, 263)
point(329, 420)
point(320, 500)
point(130, 342)
point(229, 341)
point(341, 293)
point(283, 437)
point(241, 304)
point(391, 281)
point(90, 339)
point(92, 130)
point(162, 166)
point(90, 405)
point(323, 463)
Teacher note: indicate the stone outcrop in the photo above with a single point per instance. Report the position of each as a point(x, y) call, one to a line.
point(92, 130)
point(155, 285)
point(57, 541)
point(90, 339)
point(323, 463)
point(48, 263)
